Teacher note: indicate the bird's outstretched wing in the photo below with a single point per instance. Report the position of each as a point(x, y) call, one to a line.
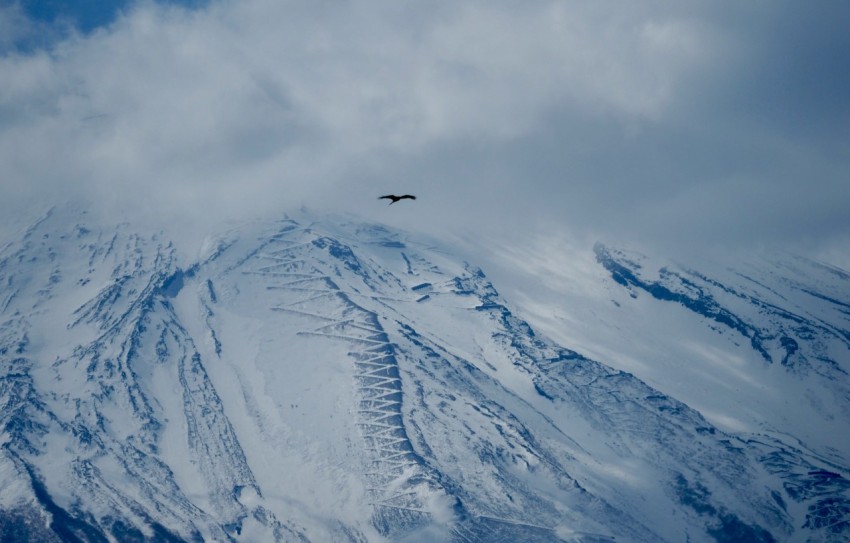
point(395, 198)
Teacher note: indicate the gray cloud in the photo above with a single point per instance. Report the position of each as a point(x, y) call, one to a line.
point(693, 124)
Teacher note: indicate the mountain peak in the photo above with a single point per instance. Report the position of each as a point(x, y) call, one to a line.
point(321, 379)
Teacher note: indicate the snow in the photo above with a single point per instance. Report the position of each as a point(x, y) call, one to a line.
point(571, 299)
point(320, 378)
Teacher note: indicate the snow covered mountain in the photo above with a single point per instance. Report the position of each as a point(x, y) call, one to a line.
point(321, 379)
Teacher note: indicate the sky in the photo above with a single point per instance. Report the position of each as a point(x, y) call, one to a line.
point(687, 125)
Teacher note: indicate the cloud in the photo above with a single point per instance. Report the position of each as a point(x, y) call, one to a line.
point(636, 121)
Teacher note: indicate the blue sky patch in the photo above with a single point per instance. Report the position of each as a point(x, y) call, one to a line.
point(86, 15)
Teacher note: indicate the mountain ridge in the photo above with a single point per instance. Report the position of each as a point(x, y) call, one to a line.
point(326, 379)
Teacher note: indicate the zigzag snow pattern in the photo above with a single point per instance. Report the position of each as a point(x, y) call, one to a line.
point(331, 297)
point(393, 470)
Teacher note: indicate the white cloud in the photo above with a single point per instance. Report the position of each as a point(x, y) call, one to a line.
point(600, 116)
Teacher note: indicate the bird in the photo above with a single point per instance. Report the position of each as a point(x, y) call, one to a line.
point(395, 198)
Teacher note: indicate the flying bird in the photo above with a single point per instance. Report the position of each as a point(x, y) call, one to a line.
point(395, 198)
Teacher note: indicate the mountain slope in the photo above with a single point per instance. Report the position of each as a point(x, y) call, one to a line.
point(337, 381)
